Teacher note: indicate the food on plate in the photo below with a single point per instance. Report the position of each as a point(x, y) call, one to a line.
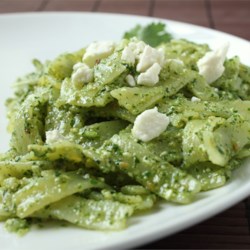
point(105, 132)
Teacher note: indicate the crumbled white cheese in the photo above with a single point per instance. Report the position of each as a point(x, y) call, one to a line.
point(78, 65)
point(53, 136)
point(192, 185)
point(195, 99)
point(83, 74)
point(148, 57)
point(156, 178)
point(211, 65)
point(132, 51)
point(151, 76)
point(128, 55)
point(138, 48)
point(98, 50)
point(165, 192)
point(130, 80)
point(149, 125)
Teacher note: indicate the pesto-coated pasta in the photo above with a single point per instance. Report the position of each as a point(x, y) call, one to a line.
point(107, 131)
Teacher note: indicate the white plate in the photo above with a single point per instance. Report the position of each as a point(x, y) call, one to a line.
point(45, 35)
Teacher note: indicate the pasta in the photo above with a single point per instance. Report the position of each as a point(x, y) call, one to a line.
point(73, 157)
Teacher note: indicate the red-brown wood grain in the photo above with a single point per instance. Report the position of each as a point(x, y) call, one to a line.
point(69, 5)
point(8, 6)
point(191, 11)
point(135, 7)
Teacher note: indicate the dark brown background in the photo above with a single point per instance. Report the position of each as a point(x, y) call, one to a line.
point(230, 229)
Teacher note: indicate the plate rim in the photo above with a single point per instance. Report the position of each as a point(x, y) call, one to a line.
point(41, 13)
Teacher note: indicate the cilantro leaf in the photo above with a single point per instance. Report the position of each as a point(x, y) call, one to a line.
point(153, 34)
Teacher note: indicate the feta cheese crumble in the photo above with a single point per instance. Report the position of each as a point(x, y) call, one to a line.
point(148, 57)
point(98, 50)
point(128, 55)
point(149, 61)
point(78, 65)
point(132, 51)
point(150, 77)
point(130, 80)
point(149, 125)
point(53, 136)
point(138, 48)
point(83, 74)
point(195, 99)
point(211, 65)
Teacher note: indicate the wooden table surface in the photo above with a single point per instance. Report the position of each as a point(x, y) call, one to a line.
point(230, 229)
